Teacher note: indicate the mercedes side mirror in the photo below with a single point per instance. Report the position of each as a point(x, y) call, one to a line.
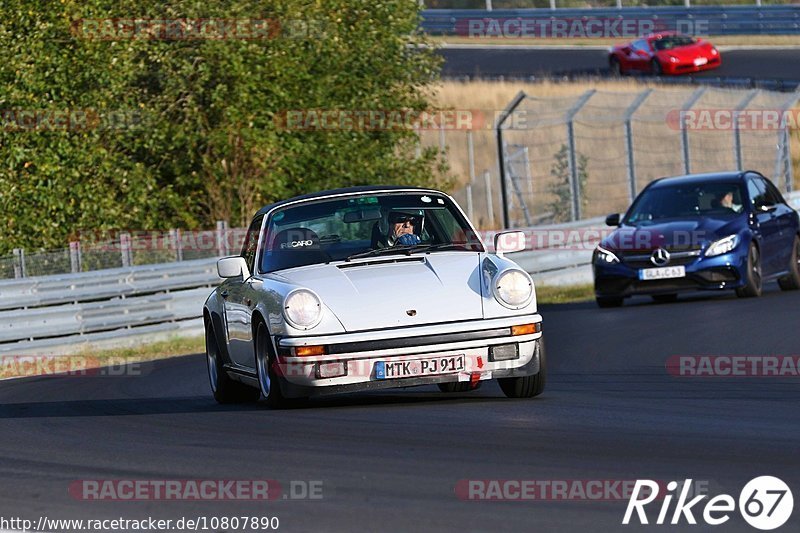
point(612, 220)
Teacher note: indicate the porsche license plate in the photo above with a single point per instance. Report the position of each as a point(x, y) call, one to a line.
point(700, 61)
point(419, 367)
point(662, 273)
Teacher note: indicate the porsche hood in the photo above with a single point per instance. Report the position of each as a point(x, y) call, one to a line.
point(398, 290)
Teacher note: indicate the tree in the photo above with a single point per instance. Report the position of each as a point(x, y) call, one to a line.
point(561, 186)
point(181, 132)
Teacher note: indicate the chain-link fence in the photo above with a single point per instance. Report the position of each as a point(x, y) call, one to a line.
point(124, 249)
point(578, 157)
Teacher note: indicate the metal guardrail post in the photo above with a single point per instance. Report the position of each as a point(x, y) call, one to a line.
point(75, 256)
point(501, 151)
point(222, 241)
point(687, 167)
point(573, 159)
point(125, 248)
point(177, 242)
point(487, 178)
point(640, 98)
point(19, 266)
point(737, 136)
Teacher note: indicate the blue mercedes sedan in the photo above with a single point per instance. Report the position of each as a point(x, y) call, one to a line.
point(728, 230)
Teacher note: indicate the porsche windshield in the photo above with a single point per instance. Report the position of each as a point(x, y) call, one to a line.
point(339, 229)
point(721, 200)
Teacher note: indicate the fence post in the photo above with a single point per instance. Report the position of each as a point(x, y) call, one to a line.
point(175, 237)
point(501, 152)
point(125, 248)
point(575, 187)
point(487, 178)
point(737, 137)
point(552, 4)
point(488, 5)
point(75, 256)
point(19, 267)
point(687, 167)
point(222, 242)
point(640, 98)
point(470, 213)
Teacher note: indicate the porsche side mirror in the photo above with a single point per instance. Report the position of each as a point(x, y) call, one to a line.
point(612, 220)
point(506, 242)
point(233, 267)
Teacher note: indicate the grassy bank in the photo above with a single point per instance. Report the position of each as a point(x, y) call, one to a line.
point(564, 294)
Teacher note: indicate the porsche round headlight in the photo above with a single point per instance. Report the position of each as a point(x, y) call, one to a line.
point(513, 288)
point(302, 309)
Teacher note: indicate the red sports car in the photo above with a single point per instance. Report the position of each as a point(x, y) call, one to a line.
point(664, 53)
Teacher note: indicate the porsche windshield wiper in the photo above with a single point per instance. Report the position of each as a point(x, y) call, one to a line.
point(407, 250)
point(375, 252)
point(433, 247)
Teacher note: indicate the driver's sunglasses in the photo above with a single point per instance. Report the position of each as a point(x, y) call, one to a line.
point(404, 219)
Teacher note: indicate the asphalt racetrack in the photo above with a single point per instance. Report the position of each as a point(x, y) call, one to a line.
point(390, 460)
point(491, 62)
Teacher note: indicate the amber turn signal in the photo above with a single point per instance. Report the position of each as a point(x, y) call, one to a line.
point(305, 351)
point(526, 329)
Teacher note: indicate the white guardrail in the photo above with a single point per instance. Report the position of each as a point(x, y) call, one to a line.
point(53, 313)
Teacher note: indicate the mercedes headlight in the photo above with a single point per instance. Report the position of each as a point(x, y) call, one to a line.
point(601, 255)
point(513, 288)
point(722, 246)
point(302, 309)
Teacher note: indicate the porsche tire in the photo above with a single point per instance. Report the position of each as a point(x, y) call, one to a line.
point(527, 386)
point(269, 386)
point(225, 389)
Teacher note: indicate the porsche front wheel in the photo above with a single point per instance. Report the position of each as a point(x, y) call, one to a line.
point(527, 386)
point(225, 389)
point(267, 376)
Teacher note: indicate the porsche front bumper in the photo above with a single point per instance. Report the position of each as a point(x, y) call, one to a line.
point(359, 355)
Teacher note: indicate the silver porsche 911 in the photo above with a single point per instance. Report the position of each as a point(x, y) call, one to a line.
point(367, 288)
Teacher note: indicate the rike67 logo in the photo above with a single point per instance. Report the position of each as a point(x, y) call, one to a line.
point(765, 503)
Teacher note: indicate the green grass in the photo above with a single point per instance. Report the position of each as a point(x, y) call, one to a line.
point(564, 294)
point(171, 347)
